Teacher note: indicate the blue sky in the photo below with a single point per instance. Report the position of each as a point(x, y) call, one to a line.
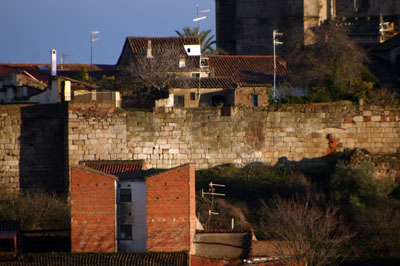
point(29, 29)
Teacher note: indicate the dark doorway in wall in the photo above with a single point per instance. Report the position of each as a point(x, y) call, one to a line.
point(218, 100)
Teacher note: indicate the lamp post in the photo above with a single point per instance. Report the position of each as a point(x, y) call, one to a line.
point(92, 40)
point(275, 33)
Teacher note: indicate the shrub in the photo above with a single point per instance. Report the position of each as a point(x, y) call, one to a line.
point(36, 210)
point(304, 232)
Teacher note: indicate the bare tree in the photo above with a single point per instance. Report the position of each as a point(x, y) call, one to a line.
point(331, 62)
point(303, 232)
point(149, 75)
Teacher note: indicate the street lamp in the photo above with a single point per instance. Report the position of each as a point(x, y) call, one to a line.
point(92, 40)
point(275, 33)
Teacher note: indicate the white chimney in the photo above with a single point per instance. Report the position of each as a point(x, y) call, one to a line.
point(149, 52)
point(53, 54)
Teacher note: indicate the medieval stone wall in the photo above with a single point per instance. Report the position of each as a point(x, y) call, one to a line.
point(302, 134)
point(31, 147)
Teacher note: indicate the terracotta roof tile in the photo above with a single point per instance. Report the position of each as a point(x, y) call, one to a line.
point(205, 83)
point(144, 259)
point(139, 45)
point(123, 169)
point(222, 231)
point(6, 70)
point(246, 69)
point(33, 71)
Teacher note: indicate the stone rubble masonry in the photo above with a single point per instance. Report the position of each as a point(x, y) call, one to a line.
point(296, 134)
point(93, 210)
point(171, 210)
point(168, 137)
point(31, 147)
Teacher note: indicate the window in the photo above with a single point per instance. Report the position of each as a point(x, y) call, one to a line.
point(195, 75)
point(179, 101)
point(182, 63)
point(125, 195)
point(125, 232)
point(254, 100)
point(192, 96)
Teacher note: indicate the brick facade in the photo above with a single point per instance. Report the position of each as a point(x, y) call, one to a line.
point(93, 211)
point(171, 216)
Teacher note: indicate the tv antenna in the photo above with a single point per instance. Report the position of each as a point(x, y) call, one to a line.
point(63, 56)
point(92, 40)
point(211, 191)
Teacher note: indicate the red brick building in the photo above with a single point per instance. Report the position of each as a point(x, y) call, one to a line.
point(122, 206)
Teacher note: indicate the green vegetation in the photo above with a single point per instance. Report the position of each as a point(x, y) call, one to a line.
point(36, 210)
point(206, 41)
point(364, 209)
point(332, 67)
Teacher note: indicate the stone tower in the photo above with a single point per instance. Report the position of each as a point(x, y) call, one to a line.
point(245, 26)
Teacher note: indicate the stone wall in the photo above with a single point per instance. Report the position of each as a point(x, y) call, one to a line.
point(302, 134)
point(34, 150)
point(96, 132)
point(31, 147)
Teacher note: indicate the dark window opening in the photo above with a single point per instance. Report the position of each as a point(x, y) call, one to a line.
point(195, 75)
point(125, 195)
point(254, 100)
point(179, 101)
point(218, 100)
point(125, 232)
point(192, 96)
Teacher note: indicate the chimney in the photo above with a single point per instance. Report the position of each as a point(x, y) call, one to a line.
point(149, 54)
point(53, 54)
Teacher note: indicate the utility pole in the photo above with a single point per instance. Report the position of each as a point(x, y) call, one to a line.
point(211, 191)
point(275, 33)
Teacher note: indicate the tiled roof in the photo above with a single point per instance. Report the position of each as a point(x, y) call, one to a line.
point(139, 45)
point(205, 83)
point(82, 83)
point(123, 169)
point(143, 259)
point(31, 70)
point(222, 231)
point(6, 70)
point(246, 69)
point(392, 43)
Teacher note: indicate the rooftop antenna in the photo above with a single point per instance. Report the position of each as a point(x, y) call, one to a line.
point(92, 40)
point(211, 191)
point(276, 42)
point(198, 15)
point(197, 19)
point(63, 56)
